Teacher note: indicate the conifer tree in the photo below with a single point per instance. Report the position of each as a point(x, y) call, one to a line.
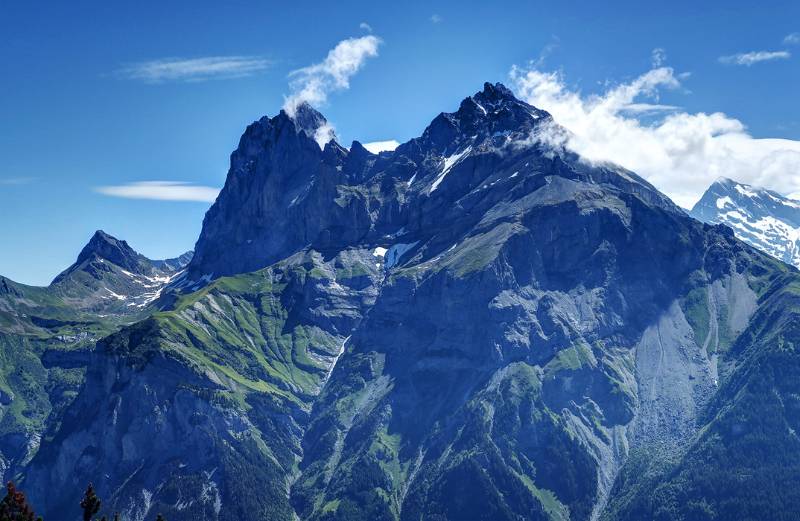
point(14, 506)
point(90, 503)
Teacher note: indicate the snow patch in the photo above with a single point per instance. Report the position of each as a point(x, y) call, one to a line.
point(115, 295)
point(745, 190)
point(376, 147)
point(722, 201)
point(379, 253)
point(449, 163)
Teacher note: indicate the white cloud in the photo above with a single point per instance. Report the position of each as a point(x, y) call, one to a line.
point(16, 181)
point(365, 26)
point(658, 57)
point(324, 134)
point(376, 147)
point(792, 39)
point(314, 83)
point(750, 58)
point(162, 191)
point(681, 153)
point(435, 18)
point(195, 69)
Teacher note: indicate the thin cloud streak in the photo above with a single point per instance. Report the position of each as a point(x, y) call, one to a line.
point(16, 181)
point(195, 69)
point(751, 58)
point(161, 191)
point(792, 39)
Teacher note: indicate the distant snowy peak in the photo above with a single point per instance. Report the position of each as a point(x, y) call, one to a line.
point(763, 218)
point(110, 277)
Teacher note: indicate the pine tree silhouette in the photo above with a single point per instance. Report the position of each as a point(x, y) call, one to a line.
point(14, 506)
point(90, 503)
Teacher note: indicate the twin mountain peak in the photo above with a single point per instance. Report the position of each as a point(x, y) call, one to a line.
point(476, 325)
point(288, 190)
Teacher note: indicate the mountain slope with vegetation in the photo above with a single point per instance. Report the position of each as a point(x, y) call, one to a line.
point(477, 325)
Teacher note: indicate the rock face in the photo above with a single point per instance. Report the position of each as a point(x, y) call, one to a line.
point(477, 325)
point(762, 218)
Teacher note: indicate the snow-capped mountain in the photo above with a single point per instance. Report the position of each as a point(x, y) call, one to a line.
point(762, 218)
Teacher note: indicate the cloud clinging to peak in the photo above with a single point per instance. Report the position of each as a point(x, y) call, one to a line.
point(681, 153)
point(195, 69)
point(161, 191)
point(314, 83)
point(751, 58)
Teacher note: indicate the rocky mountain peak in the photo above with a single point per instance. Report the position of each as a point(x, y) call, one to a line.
point(110, 248)
point(309, 120)
point(764, 219)
point(287, 189)
point(491, 113)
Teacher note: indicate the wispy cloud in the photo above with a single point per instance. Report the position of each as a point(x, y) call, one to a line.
point(435, 18)
point(376, 147)
point(681, 153)
point(649, 108)
point(15, 181)
point(751, 58)
point(314, 83)
point(195, 69)
point(161, 191)
point(792, 39)
point(658, 57)
point(365, 26)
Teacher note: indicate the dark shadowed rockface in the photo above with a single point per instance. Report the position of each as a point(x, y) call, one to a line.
point(477, 325)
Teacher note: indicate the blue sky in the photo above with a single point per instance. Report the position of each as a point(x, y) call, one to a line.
point(107, 94)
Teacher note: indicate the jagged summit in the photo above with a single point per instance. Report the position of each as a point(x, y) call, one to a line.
point(286, 190)
point(105, 246)
point(309, 120)
point(491, 113)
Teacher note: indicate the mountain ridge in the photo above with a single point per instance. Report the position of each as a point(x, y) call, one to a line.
point(478, 325)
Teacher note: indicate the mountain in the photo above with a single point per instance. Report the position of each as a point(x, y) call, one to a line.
point(109, 277)
point(47, 333)
point(476, 325)
point(760, 217)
